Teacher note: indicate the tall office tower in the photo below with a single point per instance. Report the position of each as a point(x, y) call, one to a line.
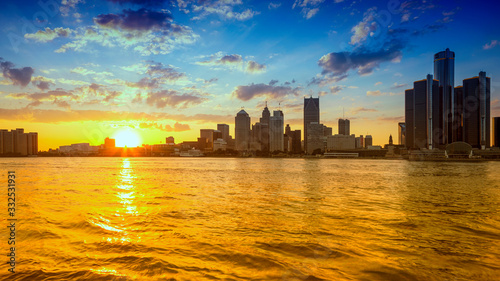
point(496, 132)
point(409, 119)
point(327, 131)
point(276, 131)
point(422, 115)
point(224, 128)
point(296, 141)
point(477, 111)
point(242, 130)
point(311, 114)
point(208, 134)
point(402, 133)
point(315, 137)
point(368, 141)
point(264, 136)
point(458, 117)
point(32, 143)
point(344, 127)
point(288, 130)
point(444, 72)
point(256, 136)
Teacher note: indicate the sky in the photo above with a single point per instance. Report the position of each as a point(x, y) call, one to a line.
point(80, 71)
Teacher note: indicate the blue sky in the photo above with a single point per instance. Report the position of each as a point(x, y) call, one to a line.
point(78, 71)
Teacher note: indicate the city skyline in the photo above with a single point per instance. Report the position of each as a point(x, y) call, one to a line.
point(86, 71)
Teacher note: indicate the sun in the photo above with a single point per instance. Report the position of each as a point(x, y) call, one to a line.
point(127, 138)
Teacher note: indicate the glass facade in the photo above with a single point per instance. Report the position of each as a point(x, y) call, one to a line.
point(311, 114)
point(444, 72)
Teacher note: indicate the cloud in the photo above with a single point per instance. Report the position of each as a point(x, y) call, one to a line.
point(273, 5)
point(397, 86)
point(309, 7)
point(172, 98)
point(38, 98)
point(356, 110)
point(63, 116)
point(326, 80)
point(85, 72)
point(246, 93)
point(144, 31)
point(378, 93)
point(225, 9)
point(67, 6)
point(178, 127)
point(147, 3)
point(336, 89)
point(254, 67)
point(378, 83)
point(234, 61)
point(491, 45)
point(49, 34)
point(365, 28)
point(42, 83)
point(18, 76)
point(361, 59)
point(140, 20)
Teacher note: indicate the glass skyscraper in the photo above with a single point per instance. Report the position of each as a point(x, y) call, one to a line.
point(444, 72)
point(311, 114)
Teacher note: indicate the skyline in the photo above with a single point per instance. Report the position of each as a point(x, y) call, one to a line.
point(93, 70)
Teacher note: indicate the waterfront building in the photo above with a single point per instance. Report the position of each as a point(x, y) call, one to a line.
point(315, 137)
point(224, 129)
point(170, 140)
point(344, 127)
point(477, 111)
point(327, 131)
point(401, 133)
point(208, 134)
point(276, 133)
point(458, 118)
point(109, 143)
point(496, 132)
point(444, 72)
point(265, 127)
point(18, 143)
point(368, 141)
point(311, 115)
point(341, 142)
point(242, 130)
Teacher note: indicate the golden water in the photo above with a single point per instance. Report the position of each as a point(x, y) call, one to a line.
point(253, 219)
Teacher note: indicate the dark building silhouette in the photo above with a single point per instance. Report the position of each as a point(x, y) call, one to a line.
point(402, 133)
point(224, 129)
point(242, 130)
point(344, 127)
point(477, 111)
point(458, 118)
point(311, 115)
point(496, 132)
point(423, 115)
point(264, 130)
point(409, 119)
point(444, 72)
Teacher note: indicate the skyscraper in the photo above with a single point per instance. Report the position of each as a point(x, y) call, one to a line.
point(368, 141)
point(344, 127)
point(264, 133)
point(242, 130)
point(496, 132)
point(402, 133)
point(422, 115)
point(311, 114)
point(224, 128)
point(276, 133)
point(477, 111)
point(458, 117)
point(409, 119)
point(444, 72)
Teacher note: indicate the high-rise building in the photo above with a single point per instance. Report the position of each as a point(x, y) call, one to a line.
point(276, 133)
point(409, 118)
point(18, 143)
point(444, 72)
point(344, 127)
point(224, 128)
point(170, 140)
point(208, 134)
point(315, 137)
point(368, 141)
point(264, 135)
point(422, 115)
point(401, 133)
point(477, 111)
point(242, 130)
point(458, 118)
point(311, 115)
point(109, 143)
point(496, 132)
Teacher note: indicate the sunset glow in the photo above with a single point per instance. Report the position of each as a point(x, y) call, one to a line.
point(127, 138)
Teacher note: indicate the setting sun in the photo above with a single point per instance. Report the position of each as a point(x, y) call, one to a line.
point(127, 138)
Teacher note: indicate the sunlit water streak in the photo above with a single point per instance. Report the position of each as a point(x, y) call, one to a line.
point(254, 219)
